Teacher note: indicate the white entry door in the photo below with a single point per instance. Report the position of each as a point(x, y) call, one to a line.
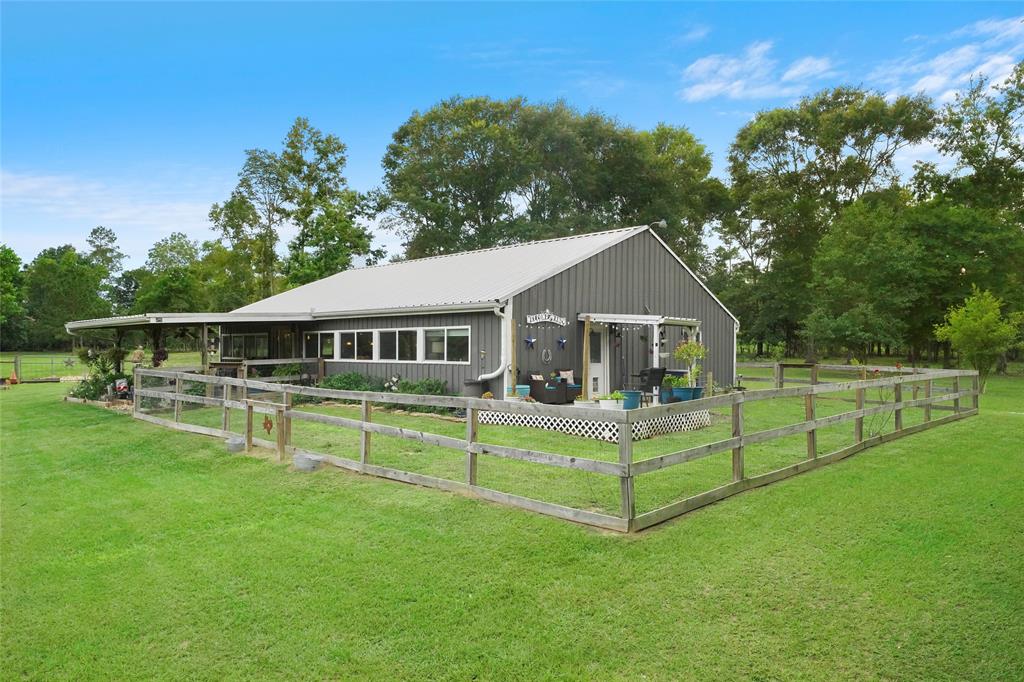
point(598, 360)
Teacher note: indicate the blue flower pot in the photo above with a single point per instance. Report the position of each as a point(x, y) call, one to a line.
point(682, 393)
point(522, 390)
point(698, 392)
point(665, 394)
point(631, 401)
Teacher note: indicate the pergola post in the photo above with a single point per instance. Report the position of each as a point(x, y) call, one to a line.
point(204, 341)
point(586, 358)
point(656, 360)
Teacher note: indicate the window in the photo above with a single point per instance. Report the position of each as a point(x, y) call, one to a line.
point(433, 340)
point(245, 346)
point(327, 345)
point(388, 345)
point(457, 346)
point(309, 344)
point(595, 347)
point(407, 345)
point(364, 345)
point(348, 346)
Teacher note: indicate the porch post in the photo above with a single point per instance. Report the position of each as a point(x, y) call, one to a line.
point(586, 357)
point(656, 360)
point(204, 341)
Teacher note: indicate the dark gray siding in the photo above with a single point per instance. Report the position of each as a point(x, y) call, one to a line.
point(484, 349)
point(637, 276)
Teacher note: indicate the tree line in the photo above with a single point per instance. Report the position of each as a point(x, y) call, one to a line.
point(814, 239)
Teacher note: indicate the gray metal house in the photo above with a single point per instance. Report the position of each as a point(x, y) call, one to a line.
point(492, 315)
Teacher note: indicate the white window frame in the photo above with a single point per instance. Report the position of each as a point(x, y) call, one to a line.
point(319, 333)
point(420, 345)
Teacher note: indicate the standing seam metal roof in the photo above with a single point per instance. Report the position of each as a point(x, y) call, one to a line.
point(470, 277)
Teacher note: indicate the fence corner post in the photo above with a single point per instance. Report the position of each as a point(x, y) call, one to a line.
point(737, 432)
point(472, 428)
point(626, 481)
point(897, 399)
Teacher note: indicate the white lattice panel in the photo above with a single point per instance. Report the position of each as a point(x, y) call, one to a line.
point(606, 431)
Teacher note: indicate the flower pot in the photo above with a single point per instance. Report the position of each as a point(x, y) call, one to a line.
point(665, 394)
point(698, 391)
point(523, 390)
point(632, 400)
point(610, 404)
point(682, 392)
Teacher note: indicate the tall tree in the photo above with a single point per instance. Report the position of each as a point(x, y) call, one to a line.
point(12, 299)
point(175, 251)
point(321, 206)
point(794, 169)
point(982, 130)
point(61, 285)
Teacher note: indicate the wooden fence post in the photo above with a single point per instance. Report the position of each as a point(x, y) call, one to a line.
point(279, 417)
point(858, 423)
point(364, 435)
point(777, 372)
point(928, 394)
point(225, 417)
point(710, 383)
point(814, 374)
point(136, 400)
point(248, 425)
point(737, 431)
point(177, 403)
point(812, 436)
point(626, 482)
point(956, 389)
point(287, 419)
point(897, 397)
point(472, 427)
point(863, 373)
point(976, 387)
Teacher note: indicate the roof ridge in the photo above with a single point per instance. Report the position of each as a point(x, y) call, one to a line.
point(494, 248)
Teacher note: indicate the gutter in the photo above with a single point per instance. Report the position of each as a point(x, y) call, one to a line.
point(503, 315)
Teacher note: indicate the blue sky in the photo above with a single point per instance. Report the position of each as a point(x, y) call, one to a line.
point(135, 116)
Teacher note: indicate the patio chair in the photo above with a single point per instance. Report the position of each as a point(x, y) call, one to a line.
point(648, 381)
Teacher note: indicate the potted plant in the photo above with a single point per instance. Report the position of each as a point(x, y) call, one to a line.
point(611, 401)
point(631, 399)
point(695, 391)
point(689, 352)
point(680, 388)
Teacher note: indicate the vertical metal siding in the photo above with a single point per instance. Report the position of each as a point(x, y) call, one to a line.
point(622, 279)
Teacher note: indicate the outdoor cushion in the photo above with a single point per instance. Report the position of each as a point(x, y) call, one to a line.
point(567, 375)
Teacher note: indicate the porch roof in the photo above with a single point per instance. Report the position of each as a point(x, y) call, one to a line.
point(143, 320)
point(621, 318)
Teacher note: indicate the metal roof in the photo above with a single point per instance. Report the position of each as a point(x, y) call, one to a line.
point(471, 279)
point(181, 319)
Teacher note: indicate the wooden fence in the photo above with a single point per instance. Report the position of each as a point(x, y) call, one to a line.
point(237, 393)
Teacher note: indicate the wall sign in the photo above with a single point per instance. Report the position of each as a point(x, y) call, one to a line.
point(546, 316)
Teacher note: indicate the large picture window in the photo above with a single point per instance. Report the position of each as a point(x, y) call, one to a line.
point(327, 345)
point(433, 341)
point(364, 345)
point(457, 345)
point(407, 345)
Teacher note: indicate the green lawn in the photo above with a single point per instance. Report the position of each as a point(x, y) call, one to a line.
point(131, 551)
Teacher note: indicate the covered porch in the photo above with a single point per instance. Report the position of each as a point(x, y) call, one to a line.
point(599, 350)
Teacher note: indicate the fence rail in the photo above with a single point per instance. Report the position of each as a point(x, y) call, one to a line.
point(237, 393)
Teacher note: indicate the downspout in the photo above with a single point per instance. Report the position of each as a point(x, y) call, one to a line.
point(500, 312)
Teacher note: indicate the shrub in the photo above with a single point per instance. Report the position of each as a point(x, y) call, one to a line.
point(101, 375)
point(979, 333)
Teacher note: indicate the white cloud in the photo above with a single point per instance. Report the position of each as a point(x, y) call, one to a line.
point(753, 74)
point(808, 67)
point(993, 47)
point(694, 34)
point(41, 210)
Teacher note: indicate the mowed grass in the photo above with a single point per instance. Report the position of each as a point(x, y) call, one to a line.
point(131, 551)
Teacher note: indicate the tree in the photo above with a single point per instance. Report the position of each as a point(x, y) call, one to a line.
point(104, 251)
point(176, 290)
point(125, 290)
point(983, 131)
point(321, 206)
point(61, 285)
point(473, 173)
point(795, 169)
point(867, 279)
point(12, 299)
point(979, 333)
point(174, 252)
